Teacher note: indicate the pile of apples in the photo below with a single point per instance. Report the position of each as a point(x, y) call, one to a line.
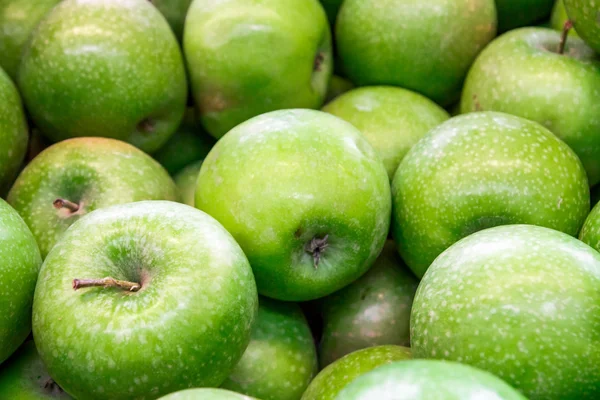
point(299, 200)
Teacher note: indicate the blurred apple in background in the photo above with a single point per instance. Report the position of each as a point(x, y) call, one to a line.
point(590, 232)
point(337, 86)
point(517, 13)
point(373, 310)
point(422, 46)
point(559, 17)
point(518, 301)
point(392, 119)
point(248, 57)
point(523, 73)
point(74, 177)
point(186, 180)
point(175, 12)
point(480, 170)
point(584, 14)
point(77, 80)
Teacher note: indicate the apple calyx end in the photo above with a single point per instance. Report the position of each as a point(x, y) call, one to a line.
point(106, 282)
point(317, 247)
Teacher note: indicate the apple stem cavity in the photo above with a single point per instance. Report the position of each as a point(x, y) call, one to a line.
point(565, 34)
point(319, 59)
point(63, 203)
point(317, 247)
point(106, 282)
point(146, 125)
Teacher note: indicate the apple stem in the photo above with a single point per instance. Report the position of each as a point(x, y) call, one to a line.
point(317, 247)
point(477, 103)
point(63, 203)
point(106, 282)
point(565, 34)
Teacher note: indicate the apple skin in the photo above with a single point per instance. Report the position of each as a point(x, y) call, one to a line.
point(590, 232)
point(480, 170)
point(187, 326)
point(521, 73)
point(559, 17)
point(281, 359)
point(337, 87)
point(392, 119)
point(333, 378)
point(19, 265)
point(174, 12)
point(584, 14)
point(92, 172)
point(190, 143)
point(129, 85)
point(373, 310)
point(18, 18)
point(205, 394)
point(186, 182)
point(384, 45)
point(288, 179)
point(24, 377)
point(517, 13)
point(518, 301)
point(13, 132)
point(274, 54)
point(428, 380)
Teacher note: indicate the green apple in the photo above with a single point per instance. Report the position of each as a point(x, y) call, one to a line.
point(333, 378)
point(428, 380)
point(76, 176)
point(519, 301)
point(173, 309)
point(337, 86)
point(190, 143)
point(373, 310)
point(517, 13)
point(186, 182)
point(305, 196)
point(392, 119)
point(424, 46)
point(13, 132)
point(480, 170)
point(590, 232)
point(559, 17)
point(332, 8)
point(206, 394)
point(248, 57)
point(175, 12)
point(522, 73)
point(24, 377)
point(281, 359)
point(585, 15)
point(109, 68)
point(18, 18)
point(19, 265)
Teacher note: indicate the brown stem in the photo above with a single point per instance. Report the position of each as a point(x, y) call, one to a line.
point(319, 59)
point(317, 247)
point(106, 282)
point(63, 203)
point(565, 34)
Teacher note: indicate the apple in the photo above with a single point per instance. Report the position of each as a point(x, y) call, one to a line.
point(337, 86)
point(392, 119)
point(78, 80)
point(590, 232)
point(13, 132)
point(143, 299)
point(423, 46)
point(519, 301)
point(373, 310)
point(76, 176)
point(426, 380)
point(585, 17)
point(18, 18)
point(523, 73)
point(175, 12)
point(189, 143)
point(517, 13)
point(333, 378)
point(19, 265)
point(480, 170)
point(186, 182)
point(281, 359)
point(24, 377)
point(206, 394)
point(306, 197)
point(248, 57)
point(559, 17)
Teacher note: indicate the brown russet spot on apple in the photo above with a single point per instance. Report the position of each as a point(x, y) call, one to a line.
point(317, 247)
point(319, 59)
point(147, 125)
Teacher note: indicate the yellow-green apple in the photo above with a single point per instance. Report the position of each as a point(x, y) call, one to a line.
point(206, 394)
point(186, 180)
point(585, 15)
point(337, 86)
point(590, 232)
